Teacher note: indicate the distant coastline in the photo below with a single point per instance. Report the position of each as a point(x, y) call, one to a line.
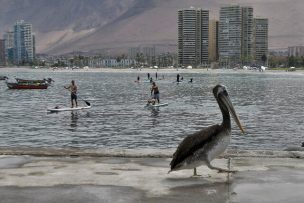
point(147, 70)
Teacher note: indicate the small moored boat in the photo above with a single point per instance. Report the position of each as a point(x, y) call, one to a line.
point(47, 81)
point(2, 77)
point(26, 85)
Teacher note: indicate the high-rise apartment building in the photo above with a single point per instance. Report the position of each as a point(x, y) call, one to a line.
point(260, 39)
point(2, 52)
point(193, 35)
point(23, 42)
point(236, 37)
point(247, 35)
point(213, 40)
point(9, 46)
point(34, 46)
point(9, 39)
point(230, 35)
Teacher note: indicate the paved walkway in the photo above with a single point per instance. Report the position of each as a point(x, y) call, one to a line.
point(120, 179)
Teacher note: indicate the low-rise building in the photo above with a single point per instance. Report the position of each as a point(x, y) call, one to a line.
point(296, 51)
point(110, 63)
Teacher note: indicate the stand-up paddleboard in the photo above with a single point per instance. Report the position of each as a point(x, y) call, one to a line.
point(181, 81)
point(58, 109)
point(147, 81)
point(157, 105)
point(142, 81)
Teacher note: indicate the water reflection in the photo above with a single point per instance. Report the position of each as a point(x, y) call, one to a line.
point(155, 116)
point(87, 114)
point(154, 112)
point(203, 190)
point(74, 119)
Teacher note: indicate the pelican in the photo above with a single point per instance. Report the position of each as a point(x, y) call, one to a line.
point(202, 147)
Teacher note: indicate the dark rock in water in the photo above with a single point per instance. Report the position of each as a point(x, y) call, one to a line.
point(302, 144)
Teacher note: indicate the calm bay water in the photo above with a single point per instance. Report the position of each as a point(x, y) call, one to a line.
point(270, 107)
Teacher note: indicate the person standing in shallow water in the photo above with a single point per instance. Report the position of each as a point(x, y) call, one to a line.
point(73, 90)
point(154, 89)
point(156, 76)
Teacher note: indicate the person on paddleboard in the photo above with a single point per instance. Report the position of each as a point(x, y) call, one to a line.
point(73, 90)
point(154, 89)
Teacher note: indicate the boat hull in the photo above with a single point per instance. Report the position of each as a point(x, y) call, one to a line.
point(35, 82)
point(3, 77)
point(26, 86)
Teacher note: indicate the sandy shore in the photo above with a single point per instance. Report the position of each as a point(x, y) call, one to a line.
point(148, 70)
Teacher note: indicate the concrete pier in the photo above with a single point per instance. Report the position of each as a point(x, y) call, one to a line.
point(263, 176)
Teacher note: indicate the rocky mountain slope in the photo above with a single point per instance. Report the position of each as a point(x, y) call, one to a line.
point(63, 26)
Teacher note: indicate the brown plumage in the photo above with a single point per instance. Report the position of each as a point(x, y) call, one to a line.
point(202, 147)
point(192, 143)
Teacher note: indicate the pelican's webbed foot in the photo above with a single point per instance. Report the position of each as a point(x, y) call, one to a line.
point(220, 170)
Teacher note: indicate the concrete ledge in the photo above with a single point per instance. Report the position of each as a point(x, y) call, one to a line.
point(42, 179)
point(140, 153)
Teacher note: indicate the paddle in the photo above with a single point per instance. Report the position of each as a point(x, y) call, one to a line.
point(88, 103)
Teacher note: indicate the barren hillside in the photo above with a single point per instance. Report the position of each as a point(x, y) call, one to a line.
point(86, 25)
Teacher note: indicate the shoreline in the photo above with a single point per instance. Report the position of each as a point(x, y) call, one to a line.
point(296, 152)
point(148, 70)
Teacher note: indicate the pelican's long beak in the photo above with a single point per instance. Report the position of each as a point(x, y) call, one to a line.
point(226, 100)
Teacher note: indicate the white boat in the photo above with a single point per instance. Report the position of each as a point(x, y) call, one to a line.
point(59, 109)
